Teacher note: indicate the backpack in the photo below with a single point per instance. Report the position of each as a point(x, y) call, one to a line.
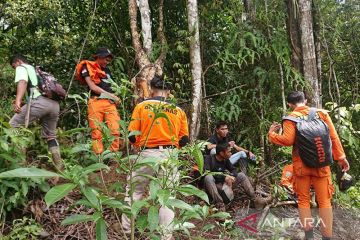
point(49, 86)
point(312, 140)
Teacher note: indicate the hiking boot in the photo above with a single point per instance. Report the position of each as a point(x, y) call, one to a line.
point(56, 157)
point(261, 202)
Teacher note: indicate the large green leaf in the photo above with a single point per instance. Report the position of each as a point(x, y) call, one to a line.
point(136, 206)
point(101, 229)
point(177, 203)
point(28, 173)
point(153, 218)
point(199, 159)
point(94, 167)
point(58, 192)
point(90, 195)
point(77, 218)
point(154, 188)
point(188, 190)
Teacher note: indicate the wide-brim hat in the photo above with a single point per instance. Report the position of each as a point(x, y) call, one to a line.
point(103, 52)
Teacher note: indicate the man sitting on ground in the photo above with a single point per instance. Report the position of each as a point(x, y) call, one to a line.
point(219, 185)
point(222, 135)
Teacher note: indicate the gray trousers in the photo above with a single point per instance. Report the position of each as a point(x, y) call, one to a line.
point(213, 188)
point(141, 183)
point(44, 109)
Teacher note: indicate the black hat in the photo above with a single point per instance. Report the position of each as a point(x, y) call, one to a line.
point(158, 83)
point(103, 52)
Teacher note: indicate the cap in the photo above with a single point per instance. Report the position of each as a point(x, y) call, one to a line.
point(158, 83)
point(103, 52)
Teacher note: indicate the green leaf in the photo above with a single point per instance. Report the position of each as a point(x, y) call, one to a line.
point(208, 227)
point(28, 173)
point(163, 196)
point(90, 195)
point(101, 229)
point(134, 133)
point(58, 192)
point(94, 167)
point(77, 218)
point(177, 203)
point(153, 218)
point(220, 215)
point(188, 190)
point(136, 206)
point(114, 204)
point(199, 159)
point(154, 188)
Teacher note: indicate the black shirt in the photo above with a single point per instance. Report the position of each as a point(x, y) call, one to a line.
point(103, 84)
point(213, 165)
point(214, 139)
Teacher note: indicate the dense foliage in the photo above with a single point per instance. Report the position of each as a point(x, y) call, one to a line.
point(245, 59)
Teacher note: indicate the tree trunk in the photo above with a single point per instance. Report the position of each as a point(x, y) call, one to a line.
point(292, 23)
point(195, 60)
point(147, 69)
point(308, 51)
point(317, 40)
point(145, 25)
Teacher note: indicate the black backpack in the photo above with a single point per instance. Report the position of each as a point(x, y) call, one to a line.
point(312, 140)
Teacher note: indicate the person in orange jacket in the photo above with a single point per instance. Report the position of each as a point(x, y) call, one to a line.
point(102, 102)
point(304, 176)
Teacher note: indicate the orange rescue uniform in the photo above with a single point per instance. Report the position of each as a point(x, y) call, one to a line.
point(158, 132)
point(100, 110)
point(304, 177)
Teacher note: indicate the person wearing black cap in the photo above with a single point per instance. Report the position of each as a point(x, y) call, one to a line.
point(102, 103)
point(158, 139)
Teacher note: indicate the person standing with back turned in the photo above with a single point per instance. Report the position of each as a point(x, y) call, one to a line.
point(318, 176)
point(157, 139)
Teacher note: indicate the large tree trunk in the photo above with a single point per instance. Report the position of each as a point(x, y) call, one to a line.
point(147, 69)
point(145, 25)
point(308, 51)
point(294, 35)
point(195, 60)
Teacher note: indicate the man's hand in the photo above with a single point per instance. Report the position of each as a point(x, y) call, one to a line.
point(344, 165)
point(17, 106)
point(229, 180)
point(252, 156)
point(232, 144)
point(275, 127)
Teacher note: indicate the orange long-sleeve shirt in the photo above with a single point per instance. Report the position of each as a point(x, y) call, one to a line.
point(287, 138)
point(162, 132)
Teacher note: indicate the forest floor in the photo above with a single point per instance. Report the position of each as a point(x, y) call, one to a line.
point(273, 222)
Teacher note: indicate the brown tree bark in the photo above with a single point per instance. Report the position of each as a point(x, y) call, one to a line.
point(292, 23)
point(308, 51)
point(196, 68)
point(147, 69)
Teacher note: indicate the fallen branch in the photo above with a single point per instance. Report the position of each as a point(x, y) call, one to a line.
point(284, 203)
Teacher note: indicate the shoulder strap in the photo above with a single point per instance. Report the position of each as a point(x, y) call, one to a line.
point(293, 119)
point(312, 114)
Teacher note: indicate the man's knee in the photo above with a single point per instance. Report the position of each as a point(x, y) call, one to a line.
point(241, 177)
point(209, 179)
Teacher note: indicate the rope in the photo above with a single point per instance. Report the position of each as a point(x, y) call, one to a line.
point(82, 48)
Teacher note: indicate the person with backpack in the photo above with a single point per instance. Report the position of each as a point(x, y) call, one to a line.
point(38, 106)
point(102, 103)
point(315, 144)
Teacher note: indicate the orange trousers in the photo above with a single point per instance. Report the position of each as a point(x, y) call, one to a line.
point(323, 191)
point(99, 111)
